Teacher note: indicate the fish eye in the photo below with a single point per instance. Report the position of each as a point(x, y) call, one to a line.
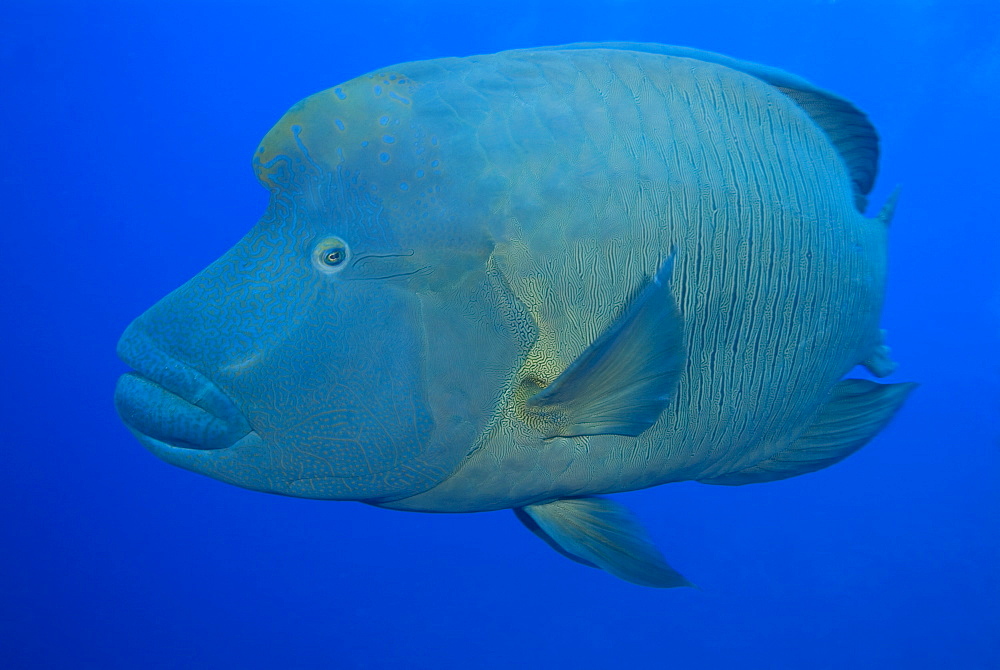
point(329, 255)
point(334, 256)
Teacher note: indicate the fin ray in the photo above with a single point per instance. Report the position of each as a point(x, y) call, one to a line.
point(601, 533)
point(857, 410)
point(622, 382)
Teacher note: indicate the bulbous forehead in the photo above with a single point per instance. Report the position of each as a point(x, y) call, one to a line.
point(383, 145)
point(366, 123)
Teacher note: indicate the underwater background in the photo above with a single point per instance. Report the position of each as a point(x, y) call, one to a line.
point(127, 131)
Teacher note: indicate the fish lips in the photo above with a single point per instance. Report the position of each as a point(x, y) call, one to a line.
point(167, 403)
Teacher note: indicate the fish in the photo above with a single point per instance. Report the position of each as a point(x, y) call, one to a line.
point(532, 279)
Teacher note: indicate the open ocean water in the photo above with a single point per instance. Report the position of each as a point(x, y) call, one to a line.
point(127, 132)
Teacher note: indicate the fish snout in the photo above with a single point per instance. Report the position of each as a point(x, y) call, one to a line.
point(166, 402)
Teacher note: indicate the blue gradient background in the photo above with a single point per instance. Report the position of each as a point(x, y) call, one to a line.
point(127, 131)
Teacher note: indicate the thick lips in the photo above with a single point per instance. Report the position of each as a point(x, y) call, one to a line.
point(171, 402)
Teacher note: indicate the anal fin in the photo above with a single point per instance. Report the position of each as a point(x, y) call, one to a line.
point(856, 411)
point(602, 534)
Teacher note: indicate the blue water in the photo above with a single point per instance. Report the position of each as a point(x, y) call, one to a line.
point(127, 131)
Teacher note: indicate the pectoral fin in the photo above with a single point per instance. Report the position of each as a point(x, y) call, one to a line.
point(602, 534)
point(857, 410)
point(625, 378)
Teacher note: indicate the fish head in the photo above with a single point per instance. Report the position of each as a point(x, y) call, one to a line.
point(355, 343)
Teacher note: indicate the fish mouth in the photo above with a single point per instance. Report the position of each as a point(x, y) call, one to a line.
point(167, 403)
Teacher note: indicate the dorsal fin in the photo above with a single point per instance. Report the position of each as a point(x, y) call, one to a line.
point(848, 128)
point(850, 131)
